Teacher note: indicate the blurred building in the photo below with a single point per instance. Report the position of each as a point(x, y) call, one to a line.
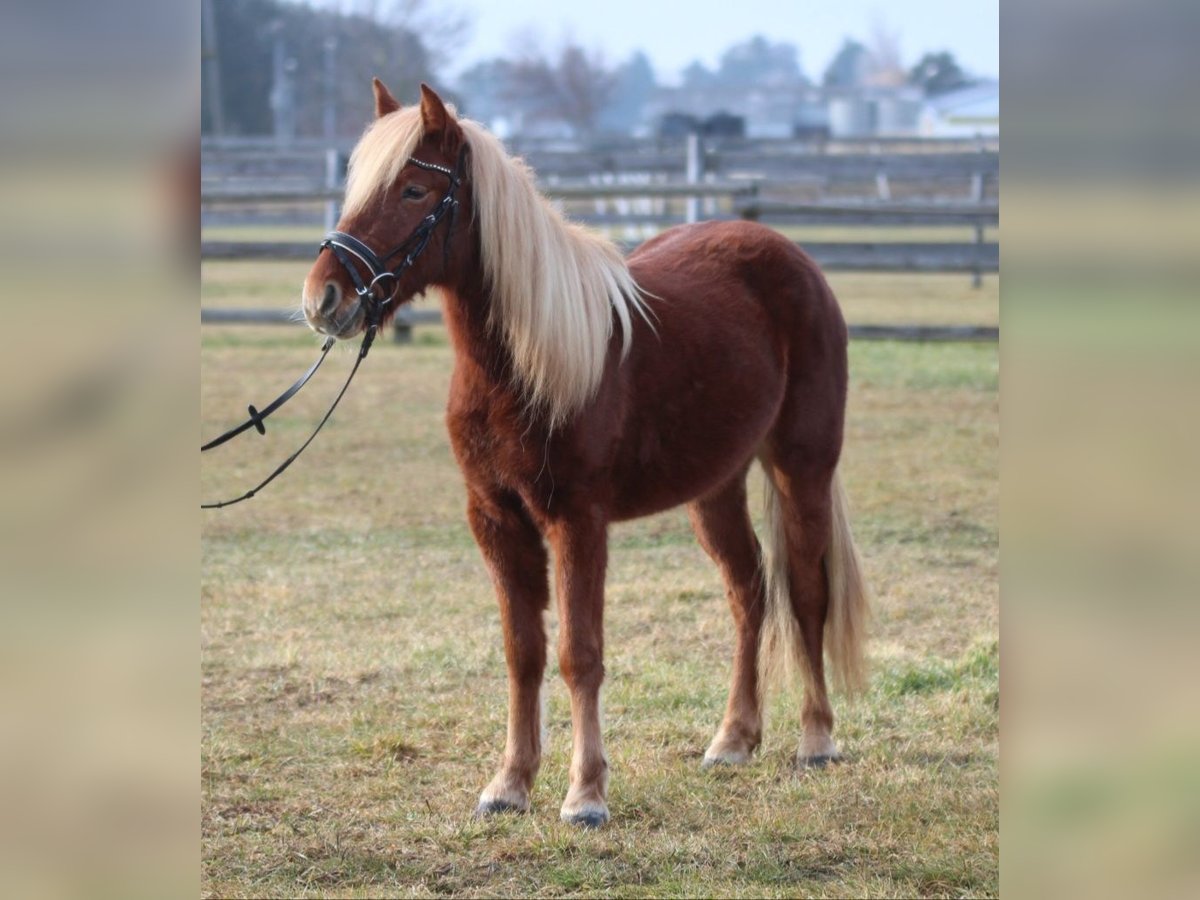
point(798, 111)
point(874, 111)
point(749, 97)
point(972, 111)
point(720, 124)
point(775, 111)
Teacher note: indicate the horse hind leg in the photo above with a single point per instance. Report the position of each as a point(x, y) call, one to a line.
point(722, 525)
point(816, 599)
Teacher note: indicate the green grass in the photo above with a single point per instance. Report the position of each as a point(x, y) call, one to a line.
point(353, 675)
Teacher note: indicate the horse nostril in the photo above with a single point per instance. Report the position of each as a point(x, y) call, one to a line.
point(331, 299)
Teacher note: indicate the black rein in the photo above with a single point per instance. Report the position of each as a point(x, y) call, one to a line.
point(347, 248)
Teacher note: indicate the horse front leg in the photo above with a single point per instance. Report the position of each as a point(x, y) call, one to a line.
point(580, 551)
point(516, 558)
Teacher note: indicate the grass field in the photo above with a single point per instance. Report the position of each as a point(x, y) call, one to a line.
point(353, 679)
point(866, 298)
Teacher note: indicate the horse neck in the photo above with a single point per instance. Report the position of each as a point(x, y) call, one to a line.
point(479, 348)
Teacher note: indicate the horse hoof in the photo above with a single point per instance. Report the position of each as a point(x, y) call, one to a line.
point(591, 818)
point(818, 760)
point(725, 759)
point(488, 808)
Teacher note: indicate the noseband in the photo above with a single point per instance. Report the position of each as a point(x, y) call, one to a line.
point(379, 288)
point(344, 247)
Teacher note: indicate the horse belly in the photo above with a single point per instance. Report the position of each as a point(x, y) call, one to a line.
point(693, 434)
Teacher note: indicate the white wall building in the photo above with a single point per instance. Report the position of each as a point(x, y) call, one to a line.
point(966, 113)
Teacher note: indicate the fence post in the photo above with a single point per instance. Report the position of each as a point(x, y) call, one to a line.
point(333, 181)
point(882, 187)
point(977, 275)
point(750, 211)
point(978, 178)
point(692, 174)
point(402, 328)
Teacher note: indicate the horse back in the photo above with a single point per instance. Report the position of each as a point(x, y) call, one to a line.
point(740, 314)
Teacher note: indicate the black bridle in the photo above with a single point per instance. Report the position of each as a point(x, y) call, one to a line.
point(347, 248)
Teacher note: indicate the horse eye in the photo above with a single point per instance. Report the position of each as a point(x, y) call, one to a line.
point(413, 192)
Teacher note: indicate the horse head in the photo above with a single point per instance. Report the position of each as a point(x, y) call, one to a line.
point(405, 222)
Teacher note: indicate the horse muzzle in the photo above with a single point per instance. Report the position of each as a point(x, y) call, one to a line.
point(331, 313)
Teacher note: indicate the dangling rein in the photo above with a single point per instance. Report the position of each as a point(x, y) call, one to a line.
point(343, 246)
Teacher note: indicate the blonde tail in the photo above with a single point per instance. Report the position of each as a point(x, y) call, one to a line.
point(781, 651)
point(849, 600)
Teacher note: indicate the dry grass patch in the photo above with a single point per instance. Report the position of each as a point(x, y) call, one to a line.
point(353, 679)
point(873, 299)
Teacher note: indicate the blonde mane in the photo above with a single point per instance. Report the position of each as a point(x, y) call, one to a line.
point(556, 287)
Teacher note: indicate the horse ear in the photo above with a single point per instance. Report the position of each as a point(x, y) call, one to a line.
point(435, 118)
point(384, 101)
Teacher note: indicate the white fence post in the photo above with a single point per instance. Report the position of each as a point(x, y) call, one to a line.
point(692, 174)
point(882, 187)
point(977, 275)
point(333, 181)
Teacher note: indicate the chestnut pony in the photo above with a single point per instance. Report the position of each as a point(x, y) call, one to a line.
point(589, 389)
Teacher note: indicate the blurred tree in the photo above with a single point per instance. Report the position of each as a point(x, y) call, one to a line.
point(484, 88)
point(849, 67)
point(365, 48)
point(369, 40)
point(697, 75)
point(572, 86)
point(885, 68)
point(635, 85)
point(758, 61)
point(937, 73)
point(441, 29)
point(244, 63)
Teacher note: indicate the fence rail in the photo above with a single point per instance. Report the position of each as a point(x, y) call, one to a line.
point(558, 191)
point(819, 169)
point(636, 184)
point(983, 214)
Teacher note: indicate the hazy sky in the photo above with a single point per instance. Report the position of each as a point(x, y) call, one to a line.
point(674, 33)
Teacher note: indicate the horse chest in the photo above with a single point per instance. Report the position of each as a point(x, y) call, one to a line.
point(488, 440)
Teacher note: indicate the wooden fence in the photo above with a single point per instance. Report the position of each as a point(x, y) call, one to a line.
point(627, 185)
point(976, 257)
point(959, 169)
